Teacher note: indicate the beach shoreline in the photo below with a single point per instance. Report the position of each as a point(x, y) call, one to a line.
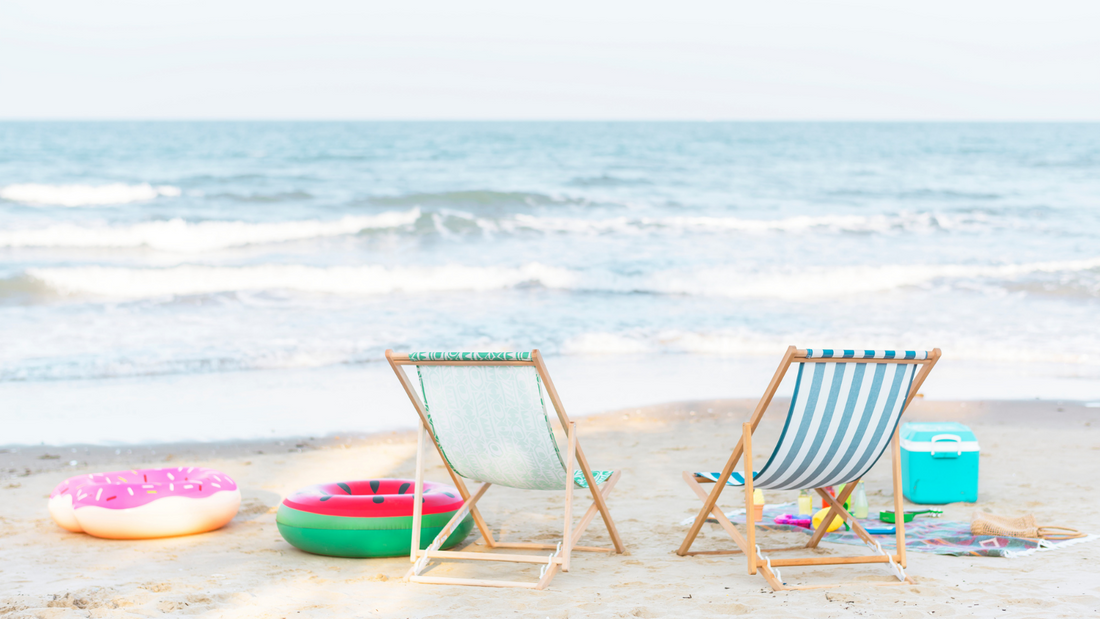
point(362, 399)
point(247, 570)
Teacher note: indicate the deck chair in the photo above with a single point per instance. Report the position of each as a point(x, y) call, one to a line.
point(845, 410)
point(486, 415)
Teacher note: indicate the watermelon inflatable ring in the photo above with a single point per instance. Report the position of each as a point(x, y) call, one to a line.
point(145, 503)
point(370, 518)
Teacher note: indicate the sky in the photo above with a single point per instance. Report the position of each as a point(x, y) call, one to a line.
point(562, 60)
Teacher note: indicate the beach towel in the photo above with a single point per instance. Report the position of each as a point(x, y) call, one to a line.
point(931, 535)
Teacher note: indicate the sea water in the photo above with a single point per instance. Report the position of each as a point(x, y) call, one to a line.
point(164, 281)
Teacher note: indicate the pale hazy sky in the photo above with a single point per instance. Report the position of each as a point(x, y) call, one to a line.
point(454, 59)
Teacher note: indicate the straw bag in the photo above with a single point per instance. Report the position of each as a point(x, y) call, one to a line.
point(1024, 526)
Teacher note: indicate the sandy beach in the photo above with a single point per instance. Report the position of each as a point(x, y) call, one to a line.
point(1037, 457)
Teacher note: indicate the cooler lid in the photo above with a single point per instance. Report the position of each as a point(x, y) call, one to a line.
point(938, 436)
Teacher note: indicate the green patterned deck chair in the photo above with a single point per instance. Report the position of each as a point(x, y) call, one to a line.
point(845, 411)
point(486, 415)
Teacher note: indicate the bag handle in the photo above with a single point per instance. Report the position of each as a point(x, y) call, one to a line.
point(1059, 533)
point(940, 438)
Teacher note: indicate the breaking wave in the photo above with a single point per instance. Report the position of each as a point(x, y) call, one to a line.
point(73, 196)
point(728, 282)
point(177, 235)
point(902, 222)
point(476, 198)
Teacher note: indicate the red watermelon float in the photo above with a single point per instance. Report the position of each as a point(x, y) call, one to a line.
point(371, 518)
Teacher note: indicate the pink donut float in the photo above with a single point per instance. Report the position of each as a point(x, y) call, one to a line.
point(145, 503)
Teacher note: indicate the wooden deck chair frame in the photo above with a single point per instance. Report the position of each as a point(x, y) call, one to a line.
point(747, 543)
point(559, 559)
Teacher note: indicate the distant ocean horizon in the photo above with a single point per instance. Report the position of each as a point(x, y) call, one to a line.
point(149, 254)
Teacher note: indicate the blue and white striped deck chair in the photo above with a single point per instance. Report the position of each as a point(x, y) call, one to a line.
point(486, 415)
point(843, 415)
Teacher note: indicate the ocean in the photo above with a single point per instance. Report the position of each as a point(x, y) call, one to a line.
point(216, 280)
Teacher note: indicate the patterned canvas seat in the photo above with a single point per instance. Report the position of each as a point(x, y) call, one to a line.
point(491, 424)
point(487, 416)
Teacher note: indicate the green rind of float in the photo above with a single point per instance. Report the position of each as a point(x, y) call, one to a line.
point(308, 520)
point(369, 543)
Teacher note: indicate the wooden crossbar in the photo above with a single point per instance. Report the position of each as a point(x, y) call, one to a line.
point(485, 556)
point(472, 582)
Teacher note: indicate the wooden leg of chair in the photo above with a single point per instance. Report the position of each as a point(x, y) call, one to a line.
point(717, 513)
point(597, 496)
point(547, 576)
point(445, 532)
point(486, 533)
point(418, 493)
point(757, 413)
point(772, 580)
point(899, 502)
point(750, 513)
point(816, 538)
point(710, 501)
point(566, 536)
point(838, 508)
point(593, 509)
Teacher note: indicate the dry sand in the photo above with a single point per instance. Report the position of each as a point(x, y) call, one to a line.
point(1038, 457)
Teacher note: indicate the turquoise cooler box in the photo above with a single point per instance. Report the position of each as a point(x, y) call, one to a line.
point(939, 463)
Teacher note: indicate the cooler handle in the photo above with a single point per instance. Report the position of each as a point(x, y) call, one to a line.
point(944, 438)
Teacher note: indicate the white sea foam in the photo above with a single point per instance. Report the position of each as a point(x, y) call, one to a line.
point(738, 343)
point(730, 282)
point(34, 194)
point(900, 222)
point(347, 280)
point(177, 235)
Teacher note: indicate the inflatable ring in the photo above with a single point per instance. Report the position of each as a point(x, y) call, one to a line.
point(370, 518)
point(145, 503)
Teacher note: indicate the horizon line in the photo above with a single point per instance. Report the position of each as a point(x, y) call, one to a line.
point(561, 120)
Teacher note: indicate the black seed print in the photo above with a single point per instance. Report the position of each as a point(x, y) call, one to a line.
point(344, 487)
point(326, 497)
point(403, 488)
point(374, 486)
point(379, 499)
point(449, 494)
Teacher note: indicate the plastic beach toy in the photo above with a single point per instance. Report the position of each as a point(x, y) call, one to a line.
point(833, 526)
point(145, 503)
point(889, 516)
point(791, 519)
point(371, 518)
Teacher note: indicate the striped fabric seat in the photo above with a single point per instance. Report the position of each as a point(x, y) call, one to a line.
point(841, 419)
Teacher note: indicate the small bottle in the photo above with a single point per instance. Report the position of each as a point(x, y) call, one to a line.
point(859, 502)
point(847, 501)
point(757, 505)
point(805, 503)
point(832, 493)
